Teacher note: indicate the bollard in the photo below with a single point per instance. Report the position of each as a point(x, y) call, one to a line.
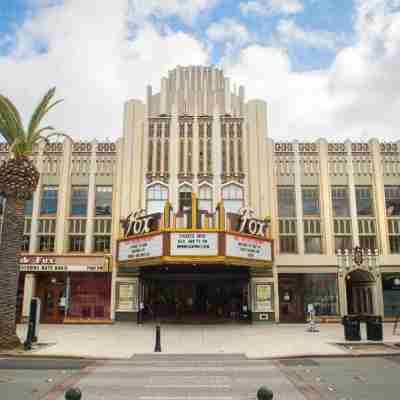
point(157, 347)
point(73, 394)
point(264, 393)
point(29, 336)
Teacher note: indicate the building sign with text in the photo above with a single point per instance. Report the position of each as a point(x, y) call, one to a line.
point(140, 247)
point(247, 247)
point(194, 244)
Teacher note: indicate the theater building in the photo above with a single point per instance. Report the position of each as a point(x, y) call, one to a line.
point(196, 214)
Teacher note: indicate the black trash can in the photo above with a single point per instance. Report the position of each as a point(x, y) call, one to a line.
point(374, 328)
point(351, 328)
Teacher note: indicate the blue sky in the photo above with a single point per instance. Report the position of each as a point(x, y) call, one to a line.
point(326, 68)
point(334, 16)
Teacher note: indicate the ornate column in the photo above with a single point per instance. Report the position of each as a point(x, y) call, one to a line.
point(64, 190)
point(299, 199)
point(352, 195)
point(326, 206)
point(33, 245)
point(91, 200)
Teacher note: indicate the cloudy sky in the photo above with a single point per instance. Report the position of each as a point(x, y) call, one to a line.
point(327, 68)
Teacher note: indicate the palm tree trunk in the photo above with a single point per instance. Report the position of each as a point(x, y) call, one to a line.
point(10, 248)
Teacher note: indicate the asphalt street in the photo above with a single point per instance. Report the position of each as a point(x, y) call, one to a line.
point(202, 377)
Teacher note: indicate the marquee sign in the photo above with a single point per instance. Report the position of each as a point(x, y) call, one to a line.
point(140, 247)
point(138, 223)
point(194, 244)
point(247, 247)
point(251, 225)
point(60, 268)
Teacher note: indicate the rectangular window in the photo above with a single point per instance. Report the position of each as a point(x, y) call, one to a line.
point(368, 242)
point(394, 244)
point(312, 245)
point(286, 202)
point(102, 244)
point(392, 200)
point(343, 243)
point(340, 202)
point(364, 201)
point(29, 207)
point(288, 244)
point(25, 243)
point(79, 200)
point(77, 243)
point(49, 200)
point(103, 202)
point(2, 204)
point(310, 200)
point(46, 243)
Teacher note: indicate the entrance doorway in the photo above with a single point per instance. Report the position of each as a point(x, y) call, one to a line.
point(360, 291)
point(194, 297)
point(291, 298)
point(51, 291)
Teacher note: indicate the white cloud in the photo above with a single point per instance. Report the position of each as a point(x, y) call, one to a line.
point(187, 10)
point(270, 7)
point(228, 30)
point(356, 97)
point(289, 32)
point(93, 63)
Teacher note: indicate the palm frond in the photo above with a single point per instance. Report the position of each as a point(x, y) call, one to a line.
point(10, 120)
point(41, 110)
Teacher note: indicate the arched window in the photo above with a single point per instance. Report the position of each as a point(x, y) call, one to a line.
point(185, 198)
point(205, 199)
point(232, 195)
point(157, 195)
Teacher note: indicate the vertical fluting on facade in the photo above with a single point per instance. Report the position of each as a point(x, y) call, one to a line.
point(91, 200)
point(63, 197)
point(326, 199)
point(298, 198)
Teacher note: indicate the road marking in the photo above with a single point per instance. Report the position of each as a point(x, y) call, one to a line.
point(185, 397)
point(188, 386)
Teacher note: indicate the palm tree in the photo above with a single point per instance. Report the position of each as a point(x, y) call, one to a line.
point(18, 180)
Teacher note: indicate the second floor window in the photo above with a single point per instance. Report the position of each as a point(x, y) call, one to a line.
point(340, 202)
point(49, 200)
point(364, 201)
point(2, 204)
point(185, 198)
point(310, 201)
point(103, 200)
point(79, 200)
point(392, 201)
point(157, 195)
point(232, 196)
point(205, 199)
point(29, 207)
point(286, 202)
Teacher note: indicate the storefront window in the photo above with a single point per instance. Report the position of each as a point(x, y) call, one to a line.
point(157, 195)
point(321, 291)
point(103, 202)
point(364, 201)
point(79, 200)
point(232, 195)
point(286, 202)
point(90, 295)
point(391, 294)
point(392, 200)
point(340, 202)
point(49, 200)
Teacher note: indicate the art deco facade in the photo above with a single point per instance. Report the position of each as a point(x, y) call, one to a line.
point(192, 152)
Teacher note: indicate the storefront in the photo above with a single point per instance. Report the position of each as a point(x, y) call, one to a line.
point(71, 289)
point(213, 273)
point(391, 294)
point(298, 293)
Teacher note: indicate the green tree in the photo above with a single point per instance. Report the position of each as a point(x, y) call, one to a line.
point(18, 180)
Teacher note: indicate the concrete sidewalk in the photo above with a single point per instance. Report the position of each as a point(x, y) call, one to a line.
point(124, 340)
